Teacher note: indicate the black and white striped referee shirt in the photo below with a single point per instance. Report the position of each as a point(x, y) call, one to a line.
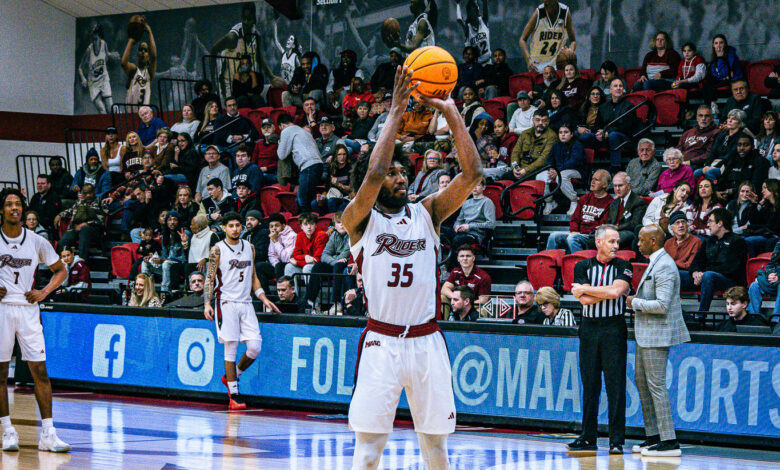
point(597, 274)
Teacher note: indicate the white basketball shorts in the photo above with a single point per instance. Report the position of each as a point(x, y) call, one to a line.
point(238, 321)
point(22, 322)
point(100, 87)
point(389, 364)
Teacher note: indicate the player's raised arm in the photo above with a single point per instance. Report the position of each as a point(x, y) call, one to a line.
point(211, 275)
point(445, 202)
point(570, 32)
point(356, 213)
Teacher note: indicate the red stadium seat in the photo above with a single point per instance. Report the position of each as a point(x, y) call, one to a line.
point(754, 265)
point(567, 266)
point(257, 116)
point(521, 82)
point(275, 96)
point(268, 200)
point(588, 74)
point(417, 162)
point(637, 270)
point(294, 224)
point(122, 258)
point(631, 76)
point(638, 97)
point(493, 192)
point(505, 100)
point(542, 268)
point(627, 255)
point(324, 221)
point(495, 108)
point(524, 195)
point(288, 201)
point(756, 73)
point(244, 111)
point(669, 105)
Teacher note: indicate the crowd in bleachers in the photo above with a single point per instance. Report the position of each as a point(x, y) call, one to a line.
point(581, 139)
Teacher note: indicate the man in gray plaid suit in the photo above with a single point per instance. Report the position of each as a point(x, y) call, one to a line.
point(658, 325)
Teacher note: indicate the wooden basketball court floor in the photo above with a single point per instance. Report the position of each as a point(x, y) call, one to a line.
point(113, 432)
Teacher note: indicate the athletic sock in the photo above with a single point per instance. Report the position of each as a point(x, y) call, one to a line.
point(238, 372)
point(233, 387)
point(47, 423)
point(5, 421)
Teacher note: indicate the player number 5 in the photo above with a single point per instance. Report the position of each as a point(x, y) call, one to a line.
point(397, 272)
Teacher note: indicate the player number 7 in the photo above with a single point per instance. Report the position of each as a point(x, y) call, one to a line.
point(16, 277)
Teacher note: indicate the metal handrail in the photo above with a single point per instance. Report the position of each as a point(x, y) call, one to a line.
point(505, 193)
point(651, 122)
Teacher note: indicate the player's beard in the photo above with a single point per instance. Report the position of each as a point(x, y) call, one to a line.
point(387, 199)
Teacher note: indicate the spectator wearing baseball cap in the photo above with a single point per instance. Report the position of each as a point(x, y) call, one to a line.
point(327, 141)
point(523, 116)
point(110, 157)
point(264, 155)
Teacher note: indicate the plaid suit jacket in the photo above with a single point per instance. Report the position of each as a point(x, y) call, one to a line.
point(658, 320)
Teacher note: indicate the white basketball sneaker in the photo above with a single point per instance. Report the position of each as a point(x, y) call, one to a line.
point(51, 443)
point(10, 440)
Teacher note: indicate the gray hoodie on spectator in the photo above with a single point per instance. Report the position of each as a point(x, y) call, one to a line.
point(301, 144)
point(336, 249)
point(479, 214)
point(373, 134)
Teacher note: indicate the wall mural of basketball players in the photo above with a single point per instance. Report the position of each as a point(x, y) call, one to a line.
point(96, 60)
point(291, 53)
point(546, 34)
point(475, 28)
point(421, 30)
point(139, 74)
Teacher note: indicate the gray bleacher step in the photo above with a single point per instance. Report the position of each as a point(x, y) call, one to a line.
point(512, 251)
point(99, 275)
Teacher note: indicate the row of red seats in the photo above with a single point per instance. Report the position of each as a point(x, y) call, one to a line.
point(543, 268)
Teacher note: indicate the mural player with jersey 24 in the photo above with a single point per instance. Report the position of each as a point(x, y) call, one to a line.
point(547, 31)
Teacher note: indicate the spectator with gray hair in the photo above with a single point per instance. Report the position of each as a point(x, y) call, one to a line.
point(626, 210)
point(725, 145)
point(526, 311)
point(696, 142)
point(549, 303)
point(675, 172)
point(644, 170)
point(147, 129)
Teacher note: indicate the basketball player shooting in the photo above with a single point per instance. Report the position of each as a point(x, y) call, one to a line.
point(231, 276)
point(395, 245)
point(20, 317)
point(548, 29)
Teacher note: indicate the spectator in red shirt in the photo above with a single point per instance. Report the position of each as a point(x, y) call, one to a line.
point(357, 93)
point(79, 280)
point(309, 245)
point(692, 68)
point(660, 65)
point(591, 212)
point(467, 274)
point(696, 142)
point(264, 155)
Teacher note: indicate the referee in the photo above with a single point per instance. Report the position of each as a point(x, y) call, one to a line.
point(601, 285)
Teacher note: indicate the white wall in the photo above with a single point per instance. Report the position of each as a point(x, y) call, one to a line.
point(37, 62)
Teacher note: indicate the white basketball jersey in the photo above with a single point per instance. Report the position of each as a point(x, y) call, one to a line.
point(397, 257)
point(550, 34)
point(480, 38)
point(97, 65)
point(428, 40)
point(19, 258)
point(289, 62)
point(234, 274)
point(140, 89)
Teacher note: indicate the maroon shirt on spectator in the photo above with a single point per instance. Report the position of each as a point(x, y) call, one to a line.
point(478, 280)
point(79, 272)
point(695, 143)
point(505, 147)
point(265, 155)
point(590, 213)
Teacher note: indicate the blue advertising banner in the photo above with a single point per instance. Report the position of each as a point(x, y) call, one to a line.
point(724, 389)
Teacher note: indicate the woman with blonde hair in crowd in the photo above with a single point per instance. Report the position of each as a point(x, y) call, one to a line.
point(144, 293)
point(549, 303)
point(427, 180)
point(661, 207)
point(110, 153)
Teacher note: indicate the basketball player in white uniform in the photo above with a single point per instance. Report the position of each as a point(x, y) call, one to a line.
point(139, 76)
point(290, 55)
point(548, 30)
point(475, 28)
point(231, 276)
point(97, 81)
point(20, 317)
point(420, 33)
point(395, 245)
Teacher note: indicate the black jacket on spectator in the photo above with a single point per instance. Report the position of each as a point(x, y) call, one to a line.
point(534, 316)
point(773, 84)
point(723, 147)
point(356, 308)
point(754, 106)
point(47, 207)
point(189, 166)
point(542, 91)
point(360, 128)
point(774, 261)
point(252, 202)
point(383, 77)
point(633, 212)
point(565, 114)
point(239, 125)
point(199, 105)
point(60, 184)
point(765, 221)
point(498, 75)
point(726, 256)
point(224, 206)
point(317, 81)
point(259, 239)
point(609, 111)
point(753, 168)
point(743, 217)
point(729, 325)
point(297, 305)
point(186, 213)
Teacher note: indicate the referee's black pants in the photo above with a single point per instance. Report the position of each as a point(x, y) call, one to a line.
point(603, 349)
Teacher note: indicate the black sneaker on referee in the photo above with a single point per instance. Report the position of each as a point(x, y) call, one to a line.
point(670, 448)
point(650, 441)
point(581, 445)
point(615, 448)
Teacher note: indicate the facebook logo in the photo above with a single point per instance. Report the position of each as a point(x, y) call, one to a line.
point(108, 351)
point(195, 364)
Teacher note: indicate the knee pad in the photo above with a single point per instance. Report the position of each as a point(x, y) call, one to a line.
point(230, 350)
point(253, 348)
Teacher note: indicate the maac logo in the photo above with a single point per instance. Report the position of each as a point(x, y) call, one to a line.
point(396, 247)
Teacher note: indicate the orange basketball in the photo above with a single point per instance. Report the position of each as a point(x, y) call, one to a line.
point(391, 30)
point(435, 70)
